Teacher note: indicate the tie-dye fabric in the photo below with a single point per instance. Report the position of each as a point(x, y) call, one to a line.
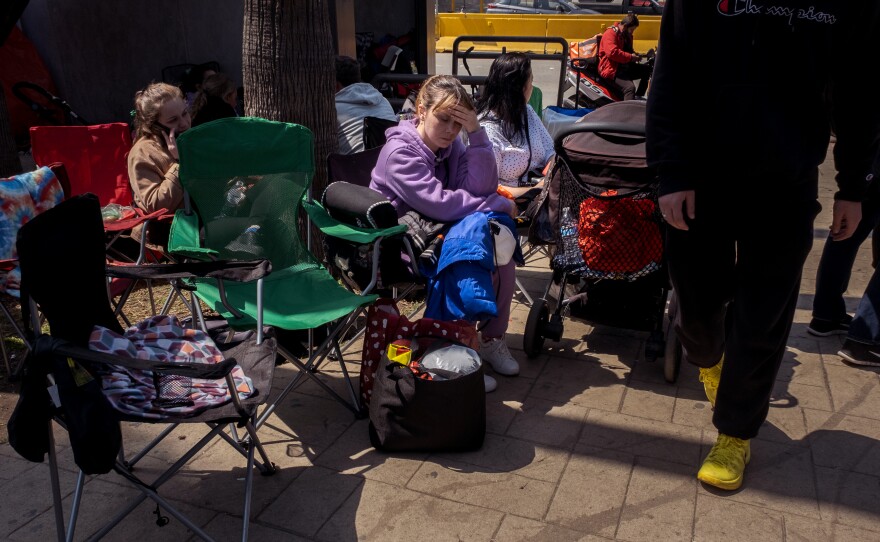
point(163, 339)
point(21, 198)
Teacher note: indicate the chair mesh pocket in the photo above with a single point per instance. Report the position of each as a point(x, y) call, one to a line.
point(172, 391)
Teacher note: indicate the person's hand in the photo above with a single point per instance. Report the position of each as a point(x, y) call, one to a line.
point(676, 206)
point(466, 117)
point(636, 57)
point(512, 210)
point(846, 216)
point(504, 191)
point(171, 143)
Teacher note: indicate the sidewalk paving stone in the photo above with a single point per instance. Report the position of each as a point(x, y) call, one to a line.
point(648, 401)
point(352, 454)
point(587, 383)
point(377, 511)
point(306, 504)
point(592, 491)
point(718, 518)
point(779, 478)
point(517, 529)
point(849, 498)
point(550, 423)
point(588, 443)
point(498, 490)
point(506, 454)
point(660, 499)
point(641, 437)
point(844, 442)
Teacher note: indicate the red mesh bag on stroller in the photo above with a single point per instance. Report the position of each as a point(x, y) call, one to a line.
point(619, 236)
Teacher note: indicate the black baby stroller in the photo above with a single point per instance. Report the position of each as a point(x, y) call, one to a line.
point(601, 216)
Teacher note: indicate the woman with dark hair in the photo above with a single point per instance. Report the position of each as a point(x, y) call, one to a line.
point(519, 139)
point(195, 76)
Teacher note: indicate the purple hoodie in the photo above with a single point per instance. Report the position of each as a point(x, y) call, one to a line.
point(457, 181)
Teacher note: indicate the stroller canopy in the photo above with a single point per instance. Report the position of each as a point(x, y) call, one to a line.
point(605, 157)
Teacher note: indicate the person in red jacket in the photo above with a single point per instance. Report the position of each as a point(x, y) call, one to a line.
point(618, 62)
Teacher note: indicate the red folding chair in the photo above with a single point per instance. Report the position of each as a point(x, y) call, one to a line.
point(96, 160)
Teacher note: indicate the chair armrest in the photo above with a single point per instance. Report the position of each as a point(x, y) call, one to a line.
point(184, 237)
point(139, 217)
point(213, 371)
point(334, 228)
point(238, 271)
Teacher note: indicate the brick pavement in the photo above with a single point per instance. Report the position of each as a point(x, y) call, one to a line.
point(588, 443)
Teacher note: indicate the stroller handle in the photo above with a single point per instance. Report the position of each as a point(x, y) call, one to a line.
point(620, 128)
point(42, 111)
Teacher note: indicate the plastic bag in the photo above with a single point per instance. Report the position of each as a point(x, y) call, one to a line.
point(453, 358)
point(113, 212)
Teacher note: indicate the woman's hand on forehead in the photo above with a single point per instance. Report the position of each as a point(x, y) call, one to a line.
point(466, 117)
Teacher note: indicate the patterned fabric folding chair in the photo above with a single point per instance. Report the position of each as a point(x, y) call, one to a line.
point(22, 197)
point(246, 178)
point(155, 373)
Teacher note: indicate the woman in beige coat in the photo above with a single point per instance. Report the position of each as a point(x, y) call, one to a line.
point(161, 115)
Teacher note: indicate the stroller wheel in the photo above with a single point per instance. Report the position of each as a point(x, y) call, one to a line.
point(533, 336)
point(672, 352)
point(654, 346)
point(672, 356)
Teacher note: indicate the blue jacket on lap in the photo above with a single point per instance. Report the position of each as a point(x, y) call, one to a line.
point(460, 287)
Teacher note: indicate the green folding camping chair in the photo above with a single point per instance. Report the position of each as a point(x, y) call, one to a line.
point(244, 180)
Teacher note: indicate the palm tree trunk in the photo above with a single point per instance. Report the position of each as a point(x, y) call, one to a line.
point(289, 70)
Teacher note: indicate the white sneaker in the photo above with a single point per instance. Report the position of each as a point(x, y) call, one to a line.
point(495, 352)
point(490, 383)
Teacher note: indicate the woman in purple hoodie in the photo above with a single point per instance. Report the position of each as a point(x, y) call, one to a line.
point(425, 167)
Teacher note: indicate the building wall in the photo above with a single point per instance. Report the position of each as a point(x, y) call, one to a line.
point(100, 52)
point(383, 17)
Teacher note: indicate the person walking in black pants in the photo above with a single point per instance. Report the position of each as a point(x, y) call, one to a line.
point(738, 170)
point(835, 269)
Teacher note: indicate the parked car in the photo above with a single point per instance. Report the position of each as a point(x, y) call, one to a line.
point(537, 6)
point(640, 7)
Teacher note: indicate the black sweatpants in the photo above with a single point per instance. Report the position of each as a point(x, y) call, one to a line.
point(626, 74)
point(736, 274)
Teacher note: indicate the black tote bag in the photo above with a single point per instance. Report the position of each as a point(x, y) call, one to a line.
point(408, 413)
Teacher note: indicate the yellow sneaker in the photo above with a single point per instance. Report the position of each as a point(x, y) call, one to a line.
point(710, 378)
point(724, 466)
